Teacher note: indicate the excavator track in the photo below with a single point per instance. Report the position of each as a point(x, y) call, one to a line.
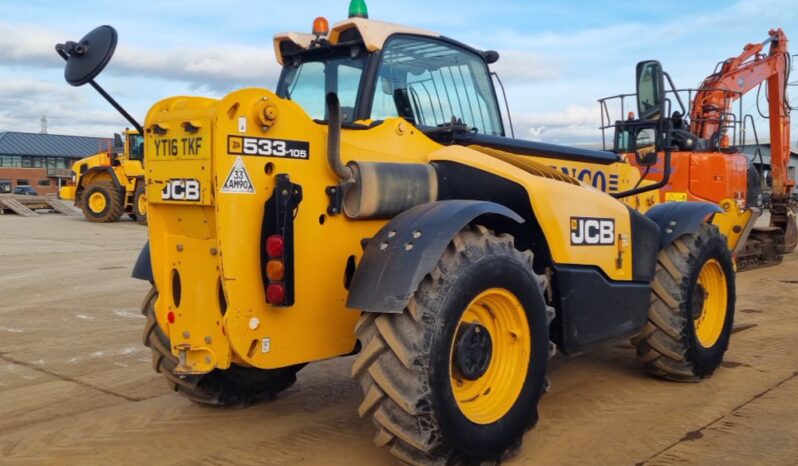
point(764, 248)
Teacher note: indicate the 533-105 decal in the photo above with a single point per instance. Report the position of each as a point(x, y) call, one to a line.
point(266, 147)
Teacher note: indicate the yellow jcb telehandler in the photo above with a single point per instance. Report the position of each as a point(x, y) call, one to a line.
point(373, 204)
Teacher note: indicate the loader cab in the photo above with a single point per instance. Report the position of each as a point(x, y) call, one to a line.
point(134, 147)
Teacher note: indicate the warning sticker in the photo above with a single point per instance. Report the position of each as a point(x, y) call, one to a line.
point(238, 180)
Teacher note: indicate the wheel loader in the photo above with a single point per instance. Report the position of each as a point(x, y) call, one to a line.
point(372, 205)
point(109, 184)
point(707, 137)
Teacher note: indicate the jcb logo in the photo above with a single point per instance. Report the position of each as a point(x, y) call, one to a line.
point(181, 189)
point(586, 231)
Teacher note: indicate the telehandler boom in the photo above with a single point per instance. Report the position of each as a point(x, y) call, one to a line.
point(373, 204)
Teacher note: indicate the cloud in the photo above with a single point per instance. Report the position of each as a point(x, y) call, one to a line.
point(23, 102)
point(575, 124)
point(221, 67)
point(522, 67)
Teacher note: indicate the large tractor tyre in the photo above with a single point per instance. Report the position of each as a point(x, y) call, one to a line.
point(102, 202)
point(237, 385)
point(140, 204)
point(456, 377)
point(692, 308)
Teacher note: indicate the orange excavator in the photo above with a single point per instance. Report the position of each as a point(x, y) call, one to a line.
point(695, 152)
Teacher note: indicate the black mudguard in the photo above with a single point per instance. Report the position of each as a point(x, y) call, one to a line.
point(143, 268)
point(678, 218)
point(407, 248)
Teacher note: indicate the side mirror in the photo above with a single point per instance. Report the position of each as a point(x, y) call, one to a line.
point(650, 90)
point(645, 147)
point(87, 58)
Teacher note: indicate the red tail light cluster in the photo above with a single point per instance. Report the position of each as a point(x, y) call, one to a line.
point(275, 270)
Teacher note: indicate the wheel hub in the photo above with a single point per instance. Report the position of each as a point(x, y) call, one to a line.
point(97, 202)
point(473, 350)
point(699, 296)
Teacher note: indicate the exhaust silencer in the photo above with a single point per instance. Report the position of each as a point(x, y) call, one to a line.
point(383, 190)
point(376, 189)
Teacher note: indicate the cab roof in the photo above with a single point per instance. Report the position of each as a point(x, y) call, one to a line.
point(373, 33)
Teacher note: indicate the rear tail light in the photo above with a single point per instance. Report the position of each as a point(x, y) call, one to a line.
point(275, 270)
point(275, 294)
point(277, 241)
point(275, 246)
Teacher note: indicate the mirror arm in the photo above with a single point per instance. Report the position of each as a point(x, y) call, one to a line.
point(60, 49)
point(118, 107)
point(666, 177)
point(665, 180)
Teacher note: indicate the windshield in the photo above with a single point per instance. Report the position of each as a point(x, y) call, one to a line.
point(432, 83)
point(312, 78)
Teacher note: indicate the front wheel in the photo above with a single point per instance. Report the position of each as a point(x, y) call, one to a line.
point(140, 204)
point(102, 202)
point(692, 308)
point(457, 376)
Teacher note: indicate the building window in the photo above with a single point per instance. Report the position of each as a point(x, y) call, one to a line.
point(10, 161)
point(5, 186)
point(27, 162)
point(44, 182)
point(22, 182)
point(38, 162)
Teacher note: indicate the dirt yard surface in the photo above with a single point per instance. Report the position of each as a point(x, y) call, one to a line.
point(76, 386)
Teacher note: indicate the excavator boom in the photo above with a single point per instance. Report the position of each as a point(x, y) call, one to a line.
point(737, 76)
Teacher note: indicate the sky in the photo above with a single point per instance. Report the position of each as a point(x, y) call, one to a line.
point(557, 57)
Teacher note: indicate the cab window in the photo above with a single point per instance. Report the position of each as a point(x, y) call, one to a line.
point(136, 146)
point(432, 83)
point(319, 72)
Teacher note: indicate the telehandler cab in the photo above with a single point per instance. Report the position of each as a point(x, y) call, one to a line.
point(373, 204)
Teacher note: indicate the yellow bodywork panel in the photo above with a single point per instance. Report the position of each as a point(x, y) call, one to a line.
point(205, 223)
point(556, 217)
point(735, 223)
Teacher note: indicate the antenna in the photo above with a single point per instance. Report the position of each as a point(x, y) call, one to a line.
point(86, 59)
point(44, 124)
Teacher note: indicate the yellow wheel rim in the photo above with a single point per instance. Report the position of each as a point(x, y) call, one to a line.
point(490, 396)
point(709, 303)
point(97, 202)
point(142, 204)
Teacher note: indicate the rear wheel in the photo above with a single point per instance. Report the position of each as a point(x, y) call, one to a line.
point(692, 308)
point(102, 202)
point(457, 376)
point(140, 204)
point(234, 386)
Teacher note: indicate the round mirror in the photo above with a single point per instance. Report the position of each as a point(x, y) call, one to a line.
point(87, 58)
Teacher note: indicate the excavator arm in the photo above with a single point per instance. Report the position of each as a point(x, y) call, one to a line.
point(712, 106)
